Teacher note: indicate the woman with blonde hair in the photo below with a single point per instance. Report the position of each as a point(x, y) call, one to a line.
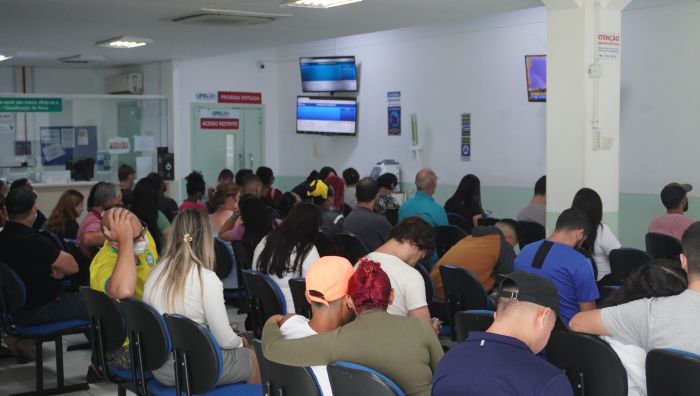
point(63, 218)
point(183, 282)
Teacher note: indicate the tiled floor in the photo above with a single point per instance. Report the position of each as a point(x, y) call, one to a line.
point(15, 378)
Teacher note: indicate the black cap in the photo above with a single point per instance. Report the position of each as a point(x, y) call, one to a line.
point(673, 193)
point(531, 288)
point(387, 180)
point(19, 201)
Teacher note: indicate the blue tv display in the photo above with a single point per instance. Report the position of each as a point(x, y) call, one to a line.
point(536, 71)
point(326, 116)
point(328, 74)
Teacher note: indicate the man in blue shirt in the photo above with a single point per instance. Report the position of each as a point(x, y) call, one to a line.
point(422, 204)
point(502, 360)
point(557, 259)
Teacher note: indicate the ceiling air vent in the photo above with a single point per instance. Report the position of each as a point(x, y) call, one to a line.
point(206, 16)
point(83, 59)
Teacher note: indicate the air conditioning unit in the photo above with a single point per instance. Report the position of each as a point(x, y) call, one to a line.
point(130, 83)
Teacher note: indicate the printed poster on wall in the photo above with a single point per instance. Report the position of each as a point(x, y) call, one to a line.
point(119, 145)
point(466, 137)
point(219, 119)
point(609, 46)
point(393, 101)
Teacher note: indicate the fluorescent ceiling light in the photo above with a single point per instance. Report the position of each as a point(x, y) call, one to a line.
point(4, 57)
point(124, 42)
point(317, 3)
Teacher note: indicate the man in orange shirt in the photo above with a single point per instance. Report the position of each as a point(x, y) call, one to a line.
point(486, 252)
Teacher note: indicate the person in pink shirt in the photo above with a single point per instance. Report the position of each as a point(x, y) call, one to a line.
point(106, 196)
point(675, 198)
point(196, 188)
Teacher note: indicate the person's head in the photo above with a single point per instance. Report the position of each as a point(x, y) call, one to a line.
point(195, 186)
point(657, 278)
point(320, 193)
point(426, 181)
point(351, 176)
point(251, 185)
point(573, 227)
point(226, 196)
point(138, 229)
point(590, 203)
point(469, 190)
point(266, 176)
point(240, 174)
point(527, 308)
point(509, 228)
point(296, 235)
point(68, 207)
point(189, 246)
point(126, 176)
point(690, 258)
point(369, 287)
point(541, 186)
point(674, 196)
point(107, 196)
point(337, 185)
point(327, 288)
point(225, 176)
point(256, 217)
point(145, 206)
point(325, 172)
point(20, 204)
point(417, 236)
point(366, 190)
point(386, 183)
point(21, 183)
point(157, 182)
point(287, 202)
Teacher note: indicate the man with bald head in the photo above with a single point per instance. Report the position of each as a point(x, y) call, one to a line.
point(422, 204)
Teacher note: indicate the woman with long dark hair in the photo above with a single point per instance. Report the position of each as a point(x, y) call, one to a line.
point(288, 251)
point(63, 218)
point(466, 201)
point(601, 240)
point(253, 222)
point(145, 207)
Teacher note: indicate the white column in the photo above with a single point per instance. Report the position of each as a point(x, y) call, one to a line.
point(583, 103)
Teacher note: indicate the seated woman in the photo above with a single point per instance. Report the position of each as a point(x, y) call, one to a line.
point(404, 349)
point(144, 204)
point(62, 220)
point(252, 225)
point(466, 201)
point(657, 278)
point(224, 200)
point(288, 251)
point(196, 188)
point(183, 282)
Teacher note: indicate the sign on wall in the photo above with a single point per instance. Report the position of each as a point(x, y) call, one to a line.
point(393, 100)
point(219, 119)
point(240, 97)
point(466, 137)
point(31, 105)
point(609, 46)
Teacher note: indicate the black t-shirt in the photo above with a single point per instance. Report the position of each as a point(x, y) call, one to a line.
point(71, 229)
point(127, 197)
point(168, 206)
point(466, 209)
point(40, 220)
point(30, 255)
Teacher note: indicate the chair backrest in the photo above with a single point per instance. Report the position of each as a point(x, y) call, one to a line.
point(298, 288)
point(392, 216)
point(350, 379)
point(446, 237)
point(475, 320)
point(265, 299)
point(463, 291)
point(13, 294)
point(350, 246)
point(456, 219)
point(672, 372)
point(53, 238)
point(428, 281)
point(243, 254)
point(487, 221)
point(529, 232)
point(325, 244)
point(662, 246)
point(224, 259)
point(592, 366)
point(282, 380)
point(624, 261)
point(198, 358)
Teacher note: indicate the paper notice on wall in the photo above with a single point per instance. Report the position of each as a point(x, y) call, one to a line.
point(609, 46)
point(83, 139)
point(68, 137)
point(7, 129)
point(118, 145)
point(53, 151)
point(144, 143)
point(144, 166)
point(466, 143)
point(50, 136)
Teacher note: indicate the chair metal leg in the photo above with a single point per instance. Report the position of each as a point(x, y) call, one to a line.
point(59, 362)
point(39, 364)
point(121, 391)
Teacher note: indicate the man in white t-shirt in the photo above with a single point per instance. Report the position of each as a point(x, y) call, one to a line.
point(410, 241)
point(326, 291)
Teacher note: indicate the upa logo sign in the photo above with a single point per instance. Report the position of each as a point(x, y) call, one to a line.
point(609, 46)
point(206, 96)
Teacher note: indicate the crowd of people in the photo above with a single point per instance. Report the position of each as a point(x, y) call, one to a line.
point(135, 241)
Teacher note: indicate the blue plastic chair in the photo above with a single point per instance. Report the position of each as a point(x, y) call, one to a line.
point(352, 379)
point(672, 372)
point(282, 380)
point(265, 299)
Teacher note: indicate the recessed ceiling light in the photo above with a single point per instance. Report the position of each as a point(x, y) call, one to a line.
point(4, 57)
point(317, 3)
point(124, 42)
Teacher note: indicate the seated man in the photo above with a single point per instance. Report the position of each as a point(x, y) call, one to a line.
point(674, 196)
point(107, 196)
point(422, 204)
point(40, 265)
point(24, 183)
point(556, 258)
point(372, 228)
point(651, 323)
point(326, 289)
point(251, 185)
point(536, 210)
point(502, 360)
point(486, 252)
point(409, 242)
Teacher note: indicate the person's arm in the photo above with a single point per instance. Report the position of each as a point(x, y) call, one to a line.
point(215, 313)
point(586, 306)
point(434, 347)
point(589, 322)
point(65, 264)
point(441, 219)
point(228, 224)
point(476, 218)
point(585, 286)
point(122, 283)
point(506, 257)
point(316, 350)
point(234, 233)
point(95, 238)
point(608, 241)
point(421, 313)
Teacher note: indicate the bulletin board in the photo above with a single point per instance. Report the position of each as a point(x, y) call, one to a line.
point(62, 143)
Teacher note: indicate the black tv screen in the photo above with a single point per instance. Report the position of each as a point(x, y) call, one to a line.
point(328, 74)
point(327, 116)
point(536, 71)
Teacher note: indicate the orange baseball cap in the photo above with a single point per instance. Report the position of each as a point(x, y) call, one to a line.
point(327, 279)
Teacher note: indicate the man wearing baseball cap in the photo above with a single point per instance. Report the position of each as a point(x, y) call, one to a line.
point(326, 289)
point(674, 196)
point(502, 360)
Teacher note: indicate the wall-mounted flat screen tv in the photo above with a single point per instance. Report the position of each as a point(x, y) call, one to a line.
point(536, 71)
point(327, 116)
point(328, 74)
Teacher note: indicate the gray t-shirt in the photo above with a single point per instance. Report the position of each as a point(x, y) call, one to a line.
point(534, 212)
point(372, 228)
point(664, 322)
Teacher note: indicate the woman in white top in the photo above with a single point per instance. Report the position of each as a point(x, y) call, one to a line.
point(601, 240)
point(288, 251)
point(224, 199)
point(183, 282)
point(657, 278)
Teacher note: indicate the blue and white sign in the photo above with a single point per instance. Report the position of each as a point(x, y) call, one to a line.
point(393, 100)
point(466, 145)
